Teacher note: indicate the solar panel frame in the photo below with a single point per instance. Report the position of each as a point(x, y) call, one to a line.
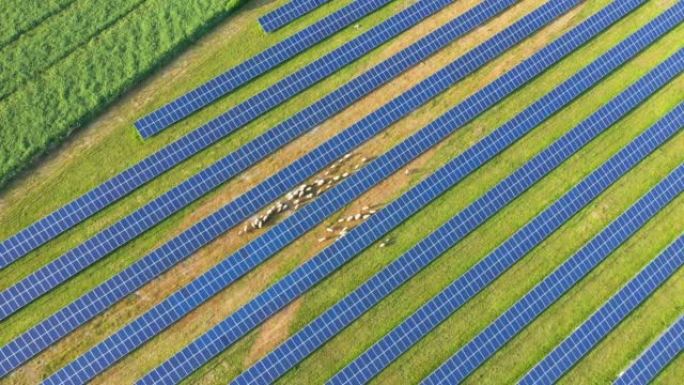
point(337, 317)
point(116, 235)
point(396, 342)
point(573, 348)
point(287, 13)
point(656, 357)
point(192, 143)
point(478, 350)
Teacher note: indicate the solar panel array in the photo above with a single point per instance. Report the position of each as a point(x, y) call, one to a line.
point(395, 343)
point(108, 240)
point(237, 76)
point(287, 13)
point(216, 339)
point(525, 310)
point(616, 309)
point(656, 357)
point(324, 327)
point(163, 258)
point(209, 133)
point(265, 246)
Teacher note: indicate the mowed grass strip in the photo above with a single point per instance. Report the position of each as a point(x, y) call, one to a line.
point(45, 111)
point(55, 38)
point(20, 16)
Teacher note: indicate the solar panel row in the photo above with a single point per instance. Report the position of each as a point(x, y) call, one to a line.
point(287, 13)
point(209, 133)
point(525, 310)
point(616, 309)
point(324, 327)
point(301, 221)
point(395, 343)
point(108, 240)
point(656, 357)
point(210, 344)
point(241, 74)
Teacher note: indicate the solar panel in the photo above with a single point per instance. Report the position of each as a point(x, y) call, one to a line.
point(530, 306)
point(656, 357)
point(241, 74)
point(303, 220)
point(616, 309)
point(285, 14)
point(395, 343)
point(202, 137)
point(336, 318)
point(113, 237)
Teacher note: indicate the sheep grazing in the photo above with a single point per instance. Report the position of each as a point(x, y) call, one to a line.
point(322, 239)
point(386, 242)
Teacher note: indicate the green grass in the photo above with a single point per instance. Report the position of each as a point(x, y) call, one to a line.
point(20, 16)
point(65, 96)
point(56, 38)
point(29, 198)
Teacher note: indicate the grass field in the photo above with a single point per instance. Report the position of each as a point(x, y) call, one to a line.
point(109, 144)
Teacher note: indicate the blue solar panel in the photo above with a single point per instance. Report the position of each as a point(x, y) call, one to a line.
point(395, 343)
point(327, 325)
point(300, 222)
point(237, 76)
point(202, 137)
point(287, 13)
point(616, 309)
point(108, 240)
point(656, 357)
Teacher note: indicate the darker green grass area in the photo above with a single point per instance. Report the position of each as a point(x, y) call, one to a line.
point(43, 112)
point(56, 38)
point(19, 16)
